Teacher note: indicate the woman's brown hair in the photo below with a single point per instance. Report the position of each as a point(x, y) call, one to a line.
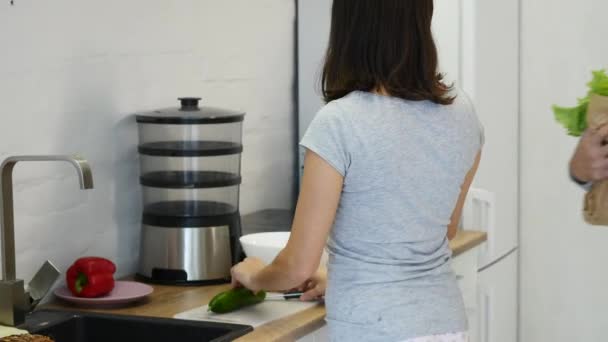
point(383, 44)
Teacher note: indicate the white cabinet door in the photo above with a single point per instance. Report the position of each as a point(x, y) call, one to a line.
point(320, 335)
point(314, 21)
point(498, 301)
point(465, 268)
point(490, 75)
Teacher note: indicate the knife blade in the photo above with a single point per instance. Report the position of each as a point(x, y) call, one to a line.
point(285, 296)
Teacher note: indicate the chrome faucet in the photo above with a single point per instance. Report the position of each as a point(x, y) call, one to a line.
point(14, 303)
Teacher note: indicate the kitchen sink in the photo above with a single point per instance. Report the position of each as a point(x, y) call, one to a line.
point(64, 326)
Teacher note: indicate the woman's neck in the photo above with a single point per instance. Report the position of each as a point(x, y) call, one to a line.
point(380, 90)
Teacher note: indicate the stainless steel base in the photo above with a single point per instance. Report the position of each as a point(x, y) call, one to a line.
point(182, 255)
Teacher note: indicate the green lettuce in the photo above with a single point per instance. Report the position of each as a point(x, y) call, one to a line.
point(574, 119)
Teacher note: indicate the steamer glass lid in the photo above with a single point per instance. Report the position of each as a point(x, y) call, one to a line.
point(191, 113)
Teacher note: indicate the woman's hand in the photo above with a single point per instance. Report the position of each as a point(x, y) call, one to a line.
point(243, 274)
point(315, 214)
point(314, 288)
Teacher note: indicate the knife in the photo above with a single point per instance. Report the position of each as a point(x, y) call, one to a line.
point(285, 296)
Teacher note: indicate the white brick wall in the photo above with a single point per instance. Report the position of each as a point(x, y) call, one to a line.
point(72, 73)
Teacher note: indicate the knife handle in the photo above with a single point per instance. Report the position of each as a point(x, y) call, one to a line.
point(295, 295)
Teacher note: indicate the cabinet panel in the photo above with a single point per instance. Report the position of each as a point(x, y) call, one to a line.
point(314, 21)
point(490, 65)
point(319, 335)
point(322, 335)
point(465, 267)
point(307, 338)
point(498, 301)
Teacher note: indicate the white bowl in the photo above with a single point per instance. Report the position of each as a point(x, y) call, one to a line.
point(267, 246)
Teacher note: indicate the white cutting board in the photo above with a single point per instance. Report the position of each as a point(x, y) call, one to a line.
point(255, 316)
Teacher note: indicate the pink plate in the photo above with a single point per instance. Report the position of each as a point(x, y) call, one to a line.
point(124, 292)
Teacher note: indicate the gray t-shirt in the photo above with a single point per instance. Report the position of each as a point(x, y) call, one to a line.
point(403, 163)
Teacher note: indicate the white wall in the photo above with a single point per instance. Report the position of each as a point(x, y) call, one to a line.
point(447, 33)
point(564, 273)
point(73, 72)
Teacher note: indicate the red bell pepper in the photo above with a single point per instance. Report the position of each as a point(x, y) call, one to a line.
point(91, 277)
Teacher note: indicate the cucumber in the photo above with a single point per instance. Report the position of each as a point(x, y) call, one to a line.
point(235, 299)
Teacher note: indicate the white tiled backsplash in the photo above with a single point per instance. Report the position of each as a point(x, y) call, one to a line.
point(73, 73)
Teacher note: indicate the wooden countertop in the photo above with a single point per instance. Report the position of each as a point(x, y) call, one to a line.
point(167, 301)
point(467, 239)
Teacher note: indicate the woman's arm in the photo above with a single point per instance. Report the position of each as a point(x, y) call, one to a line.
point(464, 189)
point(314, 217)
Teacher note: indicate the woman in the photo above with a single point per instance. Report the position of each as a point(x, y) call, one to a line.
point(389, 161)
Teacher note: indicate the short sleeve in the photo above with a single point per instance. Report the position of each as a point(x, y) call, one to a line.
point(473, 111)
point(327, 136)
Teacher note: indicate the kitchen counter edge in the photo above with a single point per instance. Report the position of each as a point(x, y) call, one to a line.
point(167, 301)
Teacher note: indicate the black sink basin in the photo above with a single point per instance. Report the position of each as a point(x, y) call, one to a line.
point(65, 326)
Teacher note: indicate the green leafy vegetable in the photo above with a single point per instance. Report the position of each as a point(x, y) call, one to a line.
point(574, 119)
point(599, 84)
